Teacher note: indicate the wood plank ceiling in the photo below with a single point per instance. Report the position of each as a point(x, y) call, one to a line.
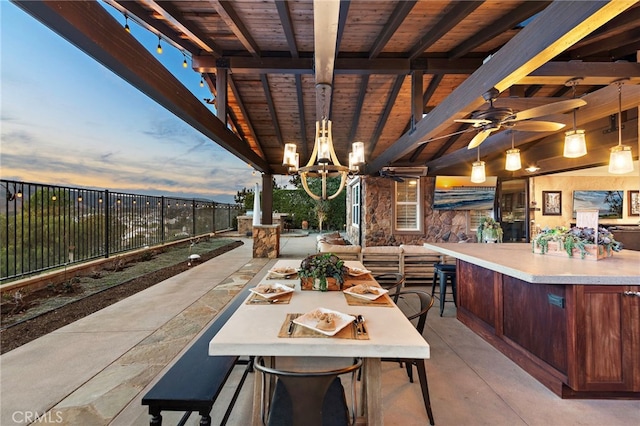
point(395, 61)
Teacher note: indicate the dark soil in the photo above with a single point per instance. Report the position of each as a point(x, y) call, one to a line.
point(75, 301)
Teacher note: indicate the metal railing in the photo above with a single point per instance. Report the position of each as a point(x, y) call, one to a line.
point(47, 226)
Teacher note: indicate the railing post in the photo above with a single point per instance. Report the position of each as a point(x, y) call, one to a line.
point(193, 216)
point(162, 219)
point(106, 203)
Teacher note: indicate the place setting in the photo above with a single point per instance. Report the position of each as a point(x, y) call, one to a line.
point(366, 294)
point(282, 272)
point(324, 323)
point(270, 294)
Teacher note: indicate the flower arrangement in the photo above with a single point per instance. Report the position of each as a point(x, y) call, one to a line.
point(489, 230)
point(576, 238)
point(322, 266)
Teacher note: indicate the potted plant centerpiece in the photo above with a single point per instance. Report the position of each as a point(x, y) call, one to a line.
point(587, 242)
point(323, 271)
point(489, 231)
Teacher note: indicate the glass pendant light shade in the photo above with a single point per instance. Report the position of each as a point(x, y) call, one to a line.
point(620, 160)
point(323, 130)
point(288, 159)
point(574, 144)
point(477, 172)
point(358, 153)
point(513, 160)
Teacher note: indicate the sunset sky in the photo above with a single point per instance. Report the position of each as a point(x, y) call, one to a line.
point(67, 120)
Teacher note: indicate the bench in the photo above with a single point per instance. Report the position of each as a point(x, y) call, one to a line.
point(194, 382)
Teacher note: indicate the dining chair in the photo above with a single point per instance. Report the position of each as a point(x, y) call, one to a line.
point(407, 302)
point(392, 282)
point(309, 398)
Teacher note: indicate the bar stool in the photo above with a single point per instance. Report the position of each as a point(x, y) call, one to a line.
point(442, 273)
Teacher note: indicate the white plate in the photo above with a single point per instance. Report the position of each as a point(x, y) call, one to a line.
point(282, 272)
point(356, 272)
point(310, 321)
point(283, 289)
point(369, 296)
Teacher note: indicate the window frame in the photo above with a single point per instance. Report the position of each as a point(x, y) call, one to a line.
point(419, 207)
point(355, 191)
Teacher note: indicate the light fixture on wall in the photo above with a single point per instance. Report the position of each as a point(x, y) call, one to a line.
point(513, 156)
point(575, 144)
point(323, 162)
point(620, 159)
point(477, 170)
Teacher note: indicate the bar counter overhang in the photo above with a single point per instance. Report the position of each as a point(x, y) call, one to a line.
point(572, 324)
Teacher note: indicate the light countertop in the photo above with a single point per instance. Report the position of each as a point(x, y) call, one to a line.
point(518, 260)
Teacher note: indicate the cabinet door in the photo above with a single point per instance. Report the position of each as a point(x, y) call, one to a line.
point(608, 339)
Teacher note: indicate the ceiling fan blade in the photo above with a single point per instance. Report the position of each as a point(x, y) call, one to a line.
point(554, 108)
point(477, 122)
point(539, 126)
point(479, 138)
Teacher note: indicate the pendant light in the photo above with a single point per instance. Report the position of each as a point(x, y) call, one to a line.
point(575, 144)
point(513, 156)
point(621, 159)
point(477, 170)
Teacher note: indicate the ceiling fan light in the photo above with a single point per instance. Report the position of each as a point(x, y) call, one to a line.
point(513, 160)
point(575, 144)
point(620, 160)
point(477, 172)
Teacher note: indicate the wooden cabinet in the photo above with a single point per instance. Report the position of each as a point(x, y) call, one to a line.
point(578, 340)
point(607, 339)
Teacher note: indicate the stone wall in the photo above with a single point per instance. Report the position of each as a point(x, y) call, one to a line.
point(266, 241)
point(377, 221)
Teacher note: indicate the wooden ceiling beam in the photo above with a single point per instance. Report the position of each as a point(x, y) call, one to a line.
point(384, 116)
point(304, 65)
point(245, 113)
point(452, 18)
point(495, 28)
point(398, 16)
point(593, 73)
point(272, 108)
point(234, 22)
point(93, 30)
point(559, 25)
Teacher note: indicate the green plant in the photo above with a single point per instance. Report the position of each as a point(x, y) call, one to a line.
point(489, 228)
point(576, 238)
point(323, 266)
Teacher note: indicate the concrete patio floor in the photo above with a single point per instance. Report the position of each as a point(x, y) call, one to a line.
point(96, 370)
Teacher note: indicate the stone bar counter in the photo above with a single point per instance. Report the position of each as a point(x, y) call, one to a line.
point(572, 324)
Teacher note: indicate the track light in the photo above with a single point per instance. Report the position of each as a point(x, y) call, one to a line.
point(126, 23)
point(159, 48)
point(184, 62)
point(201, 80)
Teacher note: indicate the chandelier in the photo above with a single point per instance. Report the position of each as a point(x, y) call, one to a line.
point(323, 162)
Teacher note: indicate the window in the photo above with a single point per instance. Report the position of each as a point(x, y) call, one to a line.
point(408, 202)
point(355, 204)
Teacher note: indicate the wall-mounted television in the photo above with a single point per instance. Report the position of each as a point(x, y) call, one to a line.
point(459, 193)
point(608, 203)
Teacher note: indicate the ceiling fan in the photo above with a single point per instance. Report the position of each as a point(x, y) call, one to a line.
point(399, 174)
point(493, 118)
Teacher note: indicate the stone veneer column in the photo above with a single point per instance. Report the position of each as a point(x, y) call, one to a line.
point(266, 241)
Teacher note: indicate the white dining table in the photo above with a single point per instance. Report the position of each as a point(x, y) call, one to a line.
point(253, 331)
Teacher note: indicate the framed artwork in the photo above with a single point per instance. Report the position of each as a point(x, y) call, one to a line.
point(552, 203)
point(634, 203)
point(608, 203)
